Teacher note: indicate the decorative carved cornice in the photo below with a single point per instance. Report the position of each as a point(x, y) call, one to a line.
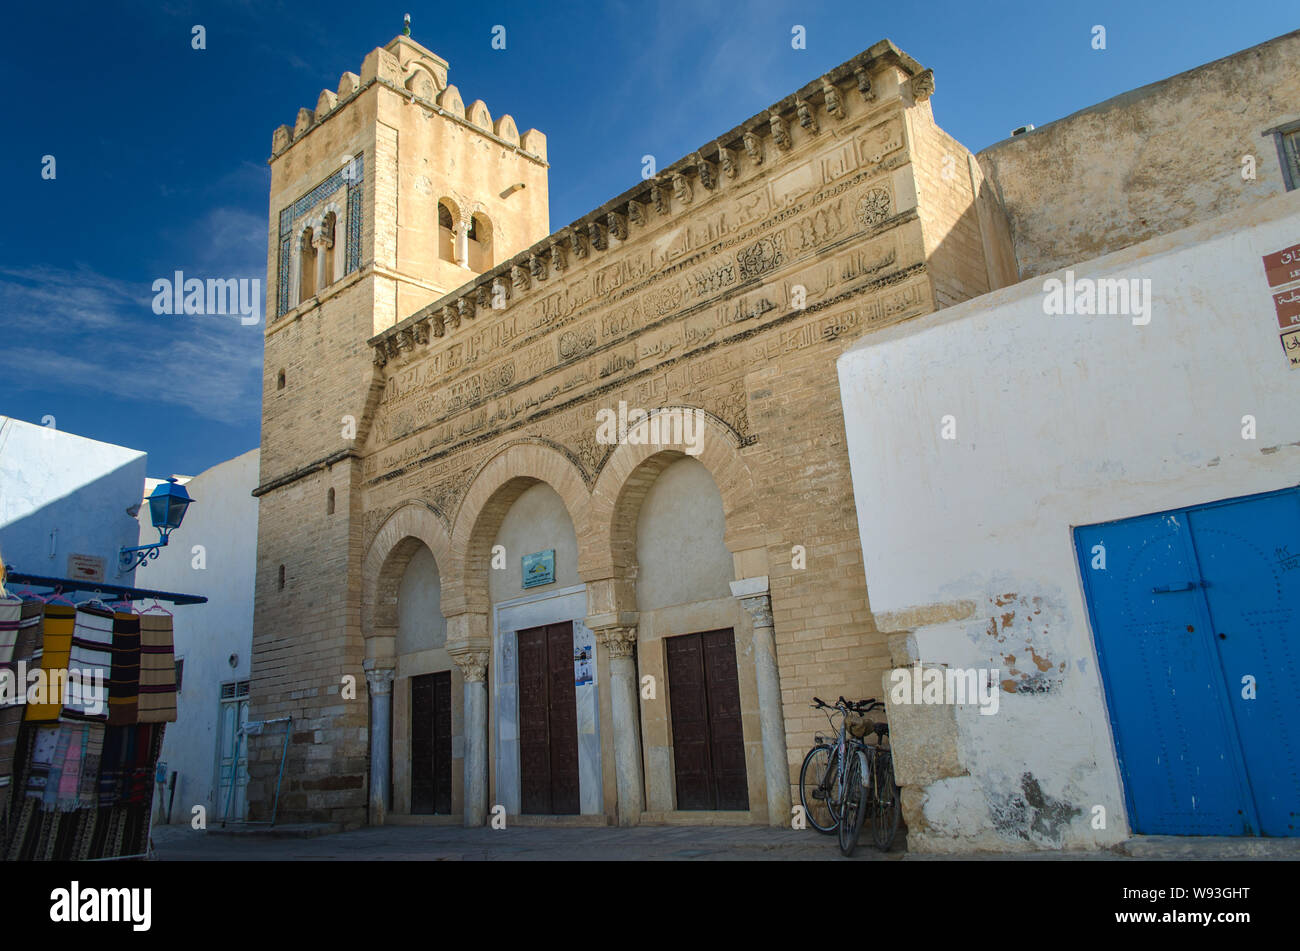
point(754, 148)
point(421, 331)
point(578, 241)
point(636, 213)
point(619, 641)
point(597, 233)
point(659, 198)
point(559, 257)
point(519, 278)
point(473, 665)
point(465, 307)
point(450, 317)
point(483, 296)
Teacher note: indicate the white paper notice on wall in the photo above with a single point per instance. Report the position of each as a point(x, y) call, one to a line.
point(584, 656)
point(85, 568)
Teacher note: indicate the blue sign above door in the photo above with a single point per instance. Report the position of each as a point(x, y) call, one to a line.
point(539, 568)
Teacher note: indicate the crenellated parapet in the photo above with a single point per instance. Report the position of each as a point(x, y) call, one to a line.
point(760, 145)
point(409, 69)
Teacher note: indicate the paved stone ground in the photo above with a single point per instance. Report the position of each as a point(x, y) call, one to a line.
point(666, 843)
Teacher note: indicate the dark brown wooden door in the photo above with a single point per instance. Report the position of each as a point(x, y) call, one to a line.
point(548, 721)
point(708, 744)
point(431, 744)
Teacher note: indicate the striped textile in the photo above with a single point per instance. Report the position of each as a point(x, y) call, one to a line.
point(124, 675)
point(157, 702)
point(27, 638)
point(88, 790)
point(11, 610)
point(50, 794)
point(90, 664)
point(139, 787)
point(113, 766)
point(73, 762)
point(52, 654)
point(45, 742)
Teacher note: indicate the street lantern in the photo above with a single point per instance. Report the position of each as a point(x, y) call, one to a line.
point(167, 504)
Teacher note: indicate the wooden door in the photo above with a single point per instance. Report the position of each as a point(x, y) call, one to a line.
point(548, 721)
point(708, 744)
point(431, 744)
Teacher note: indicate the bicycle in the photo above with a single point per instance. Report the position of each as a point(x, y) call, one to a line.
point(869, 784)
point(821, 778)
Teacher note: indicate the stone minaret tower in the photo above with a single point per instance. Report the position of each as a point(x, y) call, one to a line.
point(387, 195)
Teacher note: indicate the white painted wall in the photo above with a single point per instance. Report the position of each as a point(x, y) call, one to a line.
point(77, 488)
point(420, 624)
point(1060, 421)
point(223, 519)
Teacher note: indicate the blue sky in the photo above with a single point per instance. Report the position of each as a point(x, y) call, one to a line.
point(161, 149)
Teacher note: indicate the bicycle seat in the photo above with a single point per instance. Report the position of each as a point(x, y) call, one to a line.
point(881, 729)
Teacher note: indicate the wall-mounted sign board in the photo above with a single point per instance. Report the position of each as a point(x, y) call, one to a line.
point(1283, 268)
point(85, 568)
point(539, 568)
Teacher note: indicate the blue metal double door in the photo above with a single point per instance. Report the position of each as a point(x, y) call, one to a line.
point(1196, 614)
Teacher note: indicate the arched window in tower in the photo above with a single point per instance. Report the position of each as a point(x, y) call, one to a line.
point(480, 243)
point(325, 250)
point(446, 232)
point(307, 266)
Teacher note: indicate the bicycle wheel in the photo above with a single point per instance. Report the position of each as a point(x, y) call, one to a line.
point(888, 810)
point(854, 807)
point(817, 778)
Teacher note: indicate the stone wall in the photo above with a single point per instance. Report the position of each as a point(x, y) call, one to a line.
point(1130, 168)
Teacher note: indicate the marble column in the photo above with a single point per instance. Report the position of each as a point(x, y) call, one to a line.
point(323, 244)
point(625, 701)
point(473, 666)
point(755, 597)
point(380, 682)
point(462, 243)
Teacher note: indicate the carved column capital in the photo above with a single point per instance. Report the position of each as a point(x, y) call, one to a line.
point(755, 596)
point(378, 679)
point(473, 665)
point(619, 641)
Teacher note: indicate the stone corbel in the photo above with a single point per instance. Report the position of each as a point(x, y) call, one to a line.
point(806, 118)
point(864, 83)
point(421, 331)
point(617, 224)
point(438, 327)
point(754, 148)
point(923, 85)
point(450, 317)
point(831, 97)
point(519, 278)
point(465, 307)
point(405, 340)
point(727, 161)
point(537, 267)
point(381, 355)
point(597, 233)
point(658, 197)
point(578, 241)
point(708, 172)
point(636, 213)
point(779, 134)
point(500, 291)
point(559, 258)
point(682, 190)
point(483, 296)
